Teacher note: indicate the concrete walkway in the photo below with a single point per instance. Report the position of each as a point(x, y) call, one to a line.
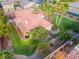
point(20, 57)
point(34, 56)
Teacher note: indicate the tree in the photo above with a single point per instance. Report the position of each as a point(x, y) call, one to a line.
point(64, 36)
point(47, 9)
point(4, 30)
point(60, 8)
point(43, 49)
point(39, 33)
point(50, 7)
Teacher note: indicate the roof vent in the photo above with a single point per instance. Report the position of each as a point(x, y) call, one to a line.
point(26, 22)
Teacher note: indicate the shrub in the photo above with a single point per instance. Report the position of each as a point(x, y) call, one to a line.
point(44, 49)
point(5, 54)
point(39, 33)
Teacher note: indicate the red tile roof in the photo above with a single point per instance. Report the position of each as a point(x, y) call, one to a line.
point(74, 54)
point(26, 20)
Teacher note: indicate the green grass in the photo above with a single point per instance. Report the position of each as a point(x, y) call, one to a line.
point(24, 47)
point(67, 24)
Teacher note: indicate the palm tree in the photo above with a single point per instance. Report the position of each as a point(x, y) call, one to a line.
point(60, 8)
point(47, 9)
point(55, 6)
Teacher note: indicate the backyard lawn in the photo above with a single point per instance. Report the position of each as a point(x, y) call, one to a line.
point(24, 47)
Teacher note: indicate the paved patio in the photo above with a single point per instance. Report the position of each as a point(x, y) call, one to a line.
point(34, 56)
point(20, 57)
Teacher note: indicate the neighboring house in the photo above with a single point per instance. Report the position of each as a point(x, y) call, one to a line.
point(58, 53)
point(8, 7)
point(74, 5)
point(74, 9)
point(74, 54)
point(26, 3)
point(29, 3)
point(65, 52)
point(25, 20)
point(39, 1)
